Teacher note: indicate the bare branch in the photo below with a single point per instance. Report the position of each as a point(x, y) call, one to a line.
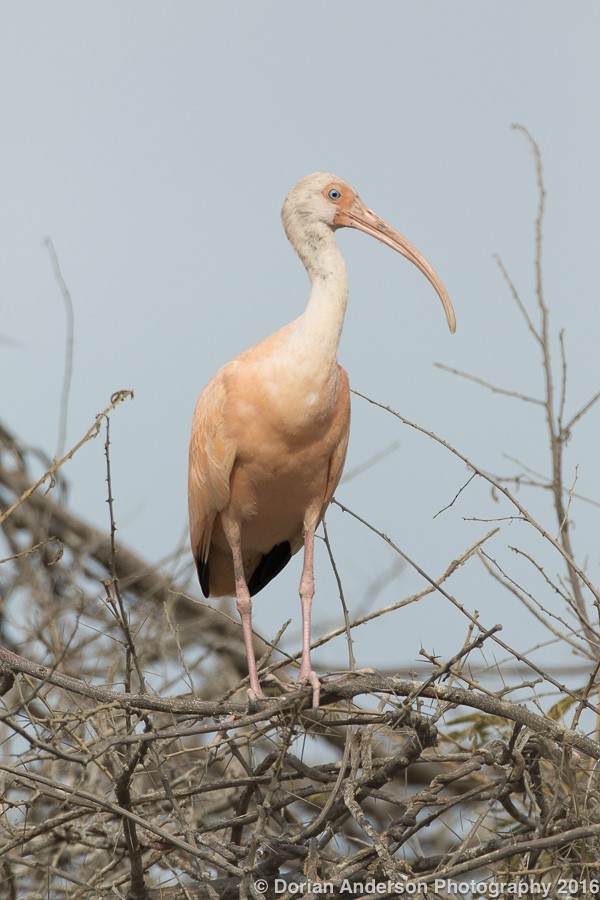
point(90, 433)
point(70, 342)
point(578, 415)
point(490, 387)
point(499, 487)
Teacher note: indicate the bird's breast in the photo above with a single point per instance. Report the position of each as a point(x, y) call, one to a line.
point(285, 431)
point(294, 412)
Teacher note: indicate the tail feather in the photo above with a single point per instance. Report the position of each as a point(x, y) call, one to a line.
point(267, 568)
point(203, 576)
point(270, 565)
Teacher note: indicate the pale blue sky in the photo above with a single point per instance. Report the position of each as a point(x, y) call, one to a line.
point(155, 142)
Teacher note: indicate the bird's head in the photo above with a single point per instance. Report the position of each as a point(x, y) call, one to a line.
point(316, 199)
point(324, 200)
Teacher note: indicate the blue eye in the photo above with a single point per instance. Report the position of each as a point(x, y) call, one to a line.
point(334, 194)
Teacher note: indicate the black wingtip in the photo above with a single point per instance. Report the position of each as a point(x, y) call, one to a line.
point(270, 565)
point(203, 576)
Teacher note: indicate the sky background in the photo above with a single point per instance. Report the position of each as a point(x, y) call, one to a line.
point(155, 142)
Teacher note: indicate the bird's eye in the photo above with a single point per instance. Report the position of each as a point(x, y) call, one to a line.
point(334, 194)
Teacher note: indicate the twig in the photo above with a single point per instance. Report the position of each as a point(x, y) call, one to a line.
point(578, 415)
point(70, 341)
point(114, 586)
point(491, 387)
point(561, 687)
point(90, 433)
point(78, 797)
point(499, 487)
point(364, 467)
point(138, 890)
point(456, 496)
point(555, 432)
point(347, 624)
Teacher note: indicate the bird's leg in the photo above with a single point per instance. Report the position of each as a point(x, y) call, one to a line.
point(307, 591)
point(244, 607)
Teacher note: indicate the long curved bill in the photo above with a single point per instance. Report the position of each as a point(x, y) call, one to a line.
point(357, 215)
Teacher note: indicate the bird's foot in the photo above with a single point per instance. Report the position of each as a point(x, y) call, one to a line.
point(255, 695)
point(312, 678)
point(353, 674)
point(309, 678)
point(366, 671)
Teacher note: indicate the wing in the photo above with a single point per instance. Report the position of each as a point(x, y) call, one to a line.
point(338, 457)
point(212, 454)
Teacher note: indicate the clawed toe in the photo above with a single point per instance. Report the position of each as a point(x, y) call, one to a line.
point(309, 679)
point(255, 697)
point(353, 674)
point(313, 679)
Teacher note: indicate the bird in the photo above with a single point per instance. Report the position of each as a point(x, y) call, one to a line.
point(270, 429)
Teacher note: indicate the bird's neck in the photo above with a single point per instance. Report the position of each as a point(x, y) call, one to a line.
point(320, 326)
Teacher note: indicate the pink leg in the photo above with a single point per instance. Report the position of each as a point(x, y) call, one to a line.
point(307, 591)
point(244, 606)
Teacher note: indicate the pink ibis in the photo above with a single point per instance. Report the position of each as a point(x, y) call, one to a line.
point(270, 430)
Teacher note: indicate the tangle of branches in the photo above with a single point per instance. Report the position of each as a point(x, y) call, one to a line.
point(133, 766)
